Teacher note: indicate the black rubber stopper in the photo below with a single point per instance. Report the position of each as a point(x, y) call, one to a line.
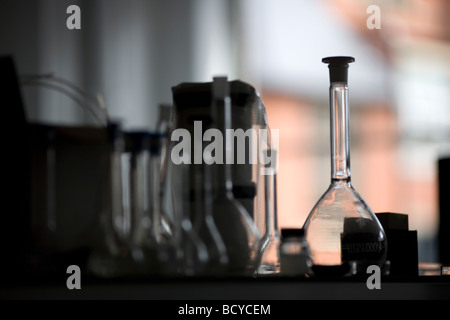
point(338, 67)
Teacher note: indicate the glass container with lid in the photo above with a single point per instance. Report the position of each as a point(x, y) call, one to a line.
point(343, 233)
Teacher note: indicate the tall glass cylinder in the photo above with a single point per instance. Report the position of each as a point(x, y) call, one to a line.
point(343, 233)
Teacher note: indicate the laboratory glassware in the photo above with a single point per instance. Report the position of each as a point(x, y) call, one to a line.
point(271, 240)
point(238, 231)
point(343, 233)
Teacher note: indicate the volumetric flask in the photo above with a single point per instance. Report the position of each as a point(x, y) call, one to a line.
point(343, 233)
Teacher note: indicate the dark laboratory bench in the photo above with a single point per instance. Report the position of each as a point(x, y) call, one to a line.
point(274, 288)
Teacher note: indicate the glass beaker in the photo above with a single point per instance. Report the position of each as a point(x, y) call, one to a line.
point(200, 116)
point(343, 233)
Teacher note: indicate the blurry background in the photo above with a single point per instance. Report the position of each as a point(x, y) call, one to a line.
point(134, 51)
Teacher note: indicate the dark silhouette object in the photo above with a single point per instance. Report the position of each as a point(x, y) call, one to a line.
point(15, 234)
point(444, 210)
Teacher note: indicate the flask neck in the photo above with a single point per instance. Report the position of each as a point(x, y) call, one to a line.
point(339, 132)
point(271, 203)
point(155, 181)
point(223, 184)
